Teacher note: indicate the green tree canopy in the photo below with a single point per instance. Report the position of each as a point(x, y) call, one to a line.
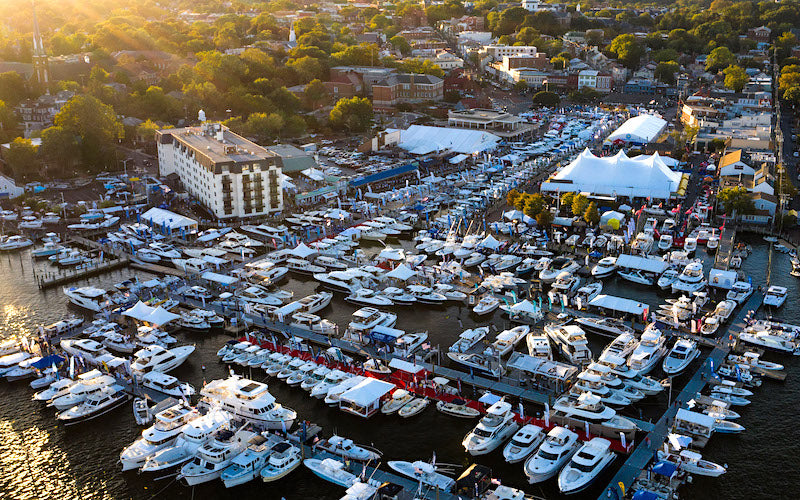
point(738, 199)
point(22, 158)
point(545, 98)
point(665, 71)
point(719, 58)
point(59, 149)
point(591, 215)
point(579, 204)
point(96, 126)
point(353, 114)
point(735, 78)
point(627, 50)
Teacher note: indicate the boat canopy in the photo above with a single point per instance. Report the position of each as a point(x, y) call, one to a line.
point(155, 315)
point(222, 279)
point(542, 367)
point(401, 272)
point(619, 304)
point(367, 392)
point(656, 266)
point(399, 364)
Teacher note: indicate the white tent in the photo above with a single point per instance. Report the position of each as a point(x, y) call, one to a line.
point(302, 251)
point(314, 174)
point(367, 392)
point(161, 316)
point(139, 311)
point(490, 242)
point(514, 215)
point(401, 272)
point(524, 307)
point(611, 214)
point(161, 219)
point(619, 304)
point(640, 129)
point(422, 139)
point(615, 175)
point(392, 254)
point(337, 213)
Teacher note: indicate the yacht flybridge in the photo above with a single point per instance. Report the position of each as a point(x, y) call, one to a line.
point(250, 400)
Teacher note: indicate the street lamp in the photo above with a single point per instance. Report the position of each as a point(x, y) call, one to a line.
point(125, 165)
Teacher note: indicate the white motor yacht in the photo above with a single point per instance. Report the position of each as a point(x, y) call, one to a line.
point(469, 338)
point(570, 341)
point(256, 294)
point(691, 280)
point(652, 346)
point(15, 242)
point(89, 297)
point(643, 243)
point(368, 318)
point(315, 302)
point(680, 356)
point(637, 276)
point(487, 304)
point(80, 391)
point(630, 378)
point(214, 456)
point(248, 399)
point(195, 433)
point(588, 407)
point(740, 292)
point(586, 293)
point(313, 323)
point(332, 379)
point(284, 458)
point(423, 473)
point(168, 424)
point(539, 346)
point(775, 296)
point(623, 345)
point(591, 381)
point(690, 244)
point(494, 428)
point(557, 449)
point(523, 443)
point(155, 358)
point(585, 466)
point(96, 404)
point(368, 297)
point(91, 351)
point(665, 242)
point(508, 339)
point(488, 366)
point(556, 267)
point(167, 384)
point(566, 284)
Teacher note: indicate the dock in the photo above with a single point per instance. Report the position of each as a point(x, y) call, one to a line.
point(48, 280)
point(725, 250)
point(644, 451)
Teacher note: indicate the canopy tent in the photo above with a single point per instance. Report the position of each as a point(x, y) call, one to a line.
point(422, 139)
point(385, 334)
point(401, 272)
point(302, 251)
point(641, 129)
point(392, 254)
point(458, 159)
point(367, 392)
point(615, 175)
point(47, 362)
point(514, 215)
point(524, 307)
point(665, 468)
point(399, 364)
point(649, 265)
point(155, 315)
point(337, 213)
point(221, 279)
point(611, 215)
point(490, 242)
point(618, 304)
point(167, 221)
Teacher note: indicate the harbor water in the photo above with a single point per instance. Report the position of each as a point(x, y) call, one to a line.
point(40, 459)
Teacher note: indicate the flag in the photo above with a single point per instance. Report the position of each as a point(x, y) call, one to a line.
point(521, 410)
point(547, 415)
point(586, 426)
point(622, 440)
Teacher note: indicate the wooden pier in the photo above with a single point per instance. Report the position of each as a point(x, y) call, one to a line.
point(646, 449)
point(725, 250)
point(48, 280)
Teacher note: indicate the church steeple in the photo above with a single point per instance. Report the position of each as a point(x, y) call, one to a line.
point(292, 35)
point(40, 63)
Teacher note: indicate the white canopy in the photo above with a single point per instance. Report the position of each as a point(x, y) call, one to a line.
point(422, 139)
point(640, 129)
point(392, 254)
point(616, 175)
point(490, 242)
point(540, 366)
point(458, 159)
point(222, 279)
point(160, 218)
point(336, 213)
point(611, 214)
point(314, 174)
point(401, 272)
point(650, 265)
point(367, 392)
point(155, 315)
point(302, 251)
point(618, 304)
point(399, 364)
point(524, 307)
point(514, 215)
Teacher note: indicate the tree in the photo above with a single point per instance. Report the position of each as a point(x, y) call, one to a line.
point(792, 95)
point(665, 71)
point(719, 58)
point(664, 55)
point(534, 204)
point(95, 124)
point(544, 219)
point(354, 114)
point(736, 199)
point(579, 204)
point(265, 126)
point(566, 199)
point(146, 131)
point(401, 44)
point(547, 99)
point(512, 196)
point(12, 88)
point(315, 95)
point(8, 121)
point(59, 149)
point(584, 95)
point(21, 157)
point(591, 215)
point(627, 50)
point(521, 86)
point(735, 78)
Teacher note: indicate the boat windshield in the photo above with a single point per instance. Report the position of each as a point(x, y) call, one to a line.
point(582, 467)
point(482, 433)
point(547, 455)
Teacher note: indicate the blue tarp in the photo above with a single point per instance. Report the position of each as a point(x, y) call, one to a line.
point(382, 176)
point(665, 468)
point(48, 361)
point(644, 495)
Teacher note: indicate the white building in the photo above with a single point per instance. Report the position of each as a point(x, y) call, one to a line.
point(226, 173)
point(497, 52)
point(538, 6)
point(8, 188)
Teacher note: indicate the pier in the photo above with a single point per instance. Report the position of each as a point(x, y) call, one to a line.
point(49, 280)
point(725, 250)
point(645, 450)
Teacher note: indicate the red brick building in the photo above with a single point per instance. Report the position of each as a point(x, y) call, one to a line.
point(406, 88)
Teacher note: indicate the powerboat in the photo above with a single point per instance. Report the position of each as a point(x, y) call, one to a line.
point(691, 280)
point(89, 297)
point(346, 448)
point(457, 408)
point(80, 391)
point(314, 378)
point(665, 242)
point(652, 346)
point(556, 267)
point(591, 381)
point(636, 276)
point(667, 279)
point(643, 243)
point(480, 364)
point(611, 327)
point(753, 359)
point(566, 283)
point(96, 404)
point(571, 341)
point(586, 293)
point(508, 339)
point(691, 461)
point(367, 297)
point(630, 378)
point(539, 346)
point(487, 304)
point(493, 429)
point(195, 433)
point(155, 358)
point(285, 458)
point(256, 294)
point(367, 318)
point(740, 292)
point(690, 245)
point(469, 338)
point(215, 455)
point(588, 407)
point(332, 379)
point(166, 384)
point(724, 309)
point(314, 323)
point(15, 242)
point(89, 350)
point(331, 470)
point(167, 426)
point(249, 400)
point(775, 296)
point(523, 443)
point(680, 356)
point(557, 449)
point(423, 473)
point(247, 465)
point(584, 467)
point(623, 345)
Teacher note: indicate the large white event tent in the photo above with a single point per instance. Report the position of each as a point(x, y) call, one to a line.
point(423, 139)
point(641, 129)
point(616, 175)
